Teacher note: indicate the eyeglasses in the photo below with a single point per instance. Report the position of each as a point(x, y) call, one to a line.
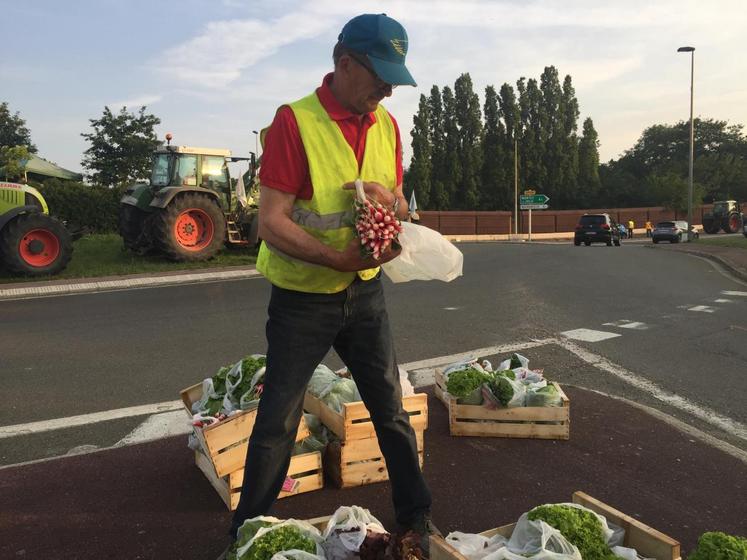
point(363, 61)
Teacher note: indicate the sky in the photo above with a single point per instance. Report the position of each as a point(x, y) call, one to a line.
point(214, 71)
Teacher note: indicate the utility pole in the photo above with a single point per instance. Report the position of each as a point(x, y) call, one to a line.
point(691, 50)
point(516, 185)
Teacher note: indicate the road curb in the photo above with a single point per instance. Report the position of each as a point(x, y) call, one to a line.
point(68, 288)
point(731, 269)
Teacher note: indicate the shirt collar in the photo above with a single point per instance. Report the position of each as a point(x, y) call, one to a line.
point(334, 108)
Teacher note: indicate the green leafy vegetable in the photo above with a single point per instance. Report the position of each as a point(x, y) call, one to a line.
point(581, 527)
point(501, 387)
point(283, 538)
point(719, 546)
point(461, 383)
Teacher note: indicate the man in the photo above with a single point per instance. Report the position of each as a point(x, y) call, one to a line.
point(325, 294)
point(649, 228)
point(631, 226)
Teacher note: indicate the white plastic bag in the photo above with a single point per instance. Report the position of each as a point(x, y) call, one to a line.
point(346, 530)
point(426, 255)
point(475, 547)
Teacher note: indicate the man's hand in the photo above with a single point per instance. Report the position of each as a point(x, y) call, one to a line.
point(376, 192)
point(350, 260)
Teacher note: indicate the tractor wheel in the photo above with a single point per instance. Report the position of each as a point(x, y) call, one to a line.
point(35, 245)
point(710, 226)
point(131, 228)
point(191, 228)
point(733, 223)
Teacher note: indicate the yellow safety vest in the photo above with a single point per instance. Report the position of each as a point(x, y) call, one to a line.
point(328, 215)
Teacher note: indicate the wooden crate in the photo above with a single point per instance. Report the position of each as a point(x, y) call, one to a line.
point(225, 442)
point(537, 422)
point(360, 461)
point(305, 468)
point(356, 459)
point(648, 542)
point(354, 421)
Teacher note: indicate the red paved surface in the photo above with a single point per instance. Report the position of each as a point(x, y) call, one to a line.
point(149, 501)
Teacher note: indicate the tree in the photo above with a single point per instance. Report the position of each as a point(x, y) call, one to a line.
point(588, 163)
point(13, 131)
point(13, 161)
point(720, 160)
point(469, 122)
point(439, 199)
point(494, 194)
point(419, 173)
point(121, 147)
point(452, 176)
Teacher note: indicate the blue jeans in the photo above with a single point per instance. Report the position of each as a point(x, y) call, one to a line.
point(301, 329)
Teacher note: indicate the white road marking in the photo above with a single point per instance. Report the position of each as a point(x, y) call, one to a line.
point(25, 292)
point(733, 293)
point(85, 419)
point(723, 300)
point(159, 426)
point(625, 324)
point(702, 308)
point(705, 414)
point(169, 406)
point(588, 335)
point(450, 308)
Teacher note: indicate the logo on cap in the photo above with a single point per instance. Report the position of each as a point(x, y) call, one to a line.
point(400, 46)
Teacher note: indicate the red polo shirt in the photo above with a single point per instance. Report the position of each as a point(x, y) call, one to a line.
point(284, 164)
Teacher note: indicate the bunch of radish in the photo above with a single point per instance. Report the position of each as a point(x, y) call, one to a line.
point(377, 227)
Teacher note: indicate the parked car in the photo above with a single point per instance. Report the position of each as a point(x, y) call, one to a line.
point(597, 228)
point(673, 231)
point(623, 231)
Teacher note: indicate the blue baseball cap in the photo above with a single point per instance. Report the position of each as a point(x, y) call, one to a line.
point(383, 41)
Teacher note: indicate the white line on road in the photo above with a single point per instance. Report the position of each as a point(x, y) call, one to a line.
point(723, 300)
point(702, 309)
point(168, 406)
point(158, 426)
point(124, 284)
point(626, 324)
point(705, 414)
point(84, 419)
point(588, 335)
point(733, 293)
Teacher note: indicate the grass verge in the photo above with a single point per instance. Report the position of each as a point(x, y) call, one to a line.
point(100, 255)
point(731, 241)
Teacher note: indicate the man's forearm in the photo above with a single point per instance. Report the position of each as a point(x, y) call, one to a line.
point(288, 237)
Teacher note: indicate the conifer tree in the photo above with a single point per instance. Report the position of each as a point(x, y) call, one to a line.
point(419, 173)
point(469, 122)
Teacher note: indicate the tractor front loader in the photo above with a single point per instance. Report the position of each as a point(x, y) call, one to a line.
point(190, 208)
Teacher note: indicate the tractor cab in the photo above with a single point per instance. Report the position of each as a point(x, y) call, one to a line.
point(187, 166)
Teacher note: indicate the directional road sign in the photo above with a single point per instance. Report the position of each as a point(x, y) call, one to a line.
point(534, 206)
point(533, 199)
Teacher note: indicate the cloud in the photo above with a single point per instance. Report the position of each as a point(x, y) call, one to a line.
point(138, 101)
point(218, 55)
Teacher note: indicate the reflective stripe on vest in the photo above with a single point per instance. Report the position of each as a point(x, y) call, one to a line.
point(328, 215)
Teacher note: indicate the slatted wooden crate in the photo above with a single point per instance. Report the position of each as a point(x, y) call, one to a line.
point(537, 422)
point(225, 442)
point(306, 469)
point(223, 452)
point(648, 542)
point(356, 458)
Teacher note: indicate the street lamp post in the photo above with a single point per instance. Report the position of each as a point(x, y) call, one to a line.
point(256, 143)
point(691, 50)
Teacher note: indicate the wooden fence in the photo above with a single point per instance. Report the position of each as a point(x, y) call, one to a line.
point(545, 221)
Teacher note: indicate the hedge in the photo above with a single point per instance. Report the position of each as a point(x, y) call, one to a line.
point(92, 207)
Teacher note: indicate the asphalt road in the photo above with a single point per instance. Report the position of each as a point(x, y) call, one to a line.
point(64, 356)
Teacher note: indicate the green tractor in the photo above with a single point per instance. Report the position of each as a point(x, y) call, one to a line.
point(190, 209)
point(32, 242)
point(726, 215)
